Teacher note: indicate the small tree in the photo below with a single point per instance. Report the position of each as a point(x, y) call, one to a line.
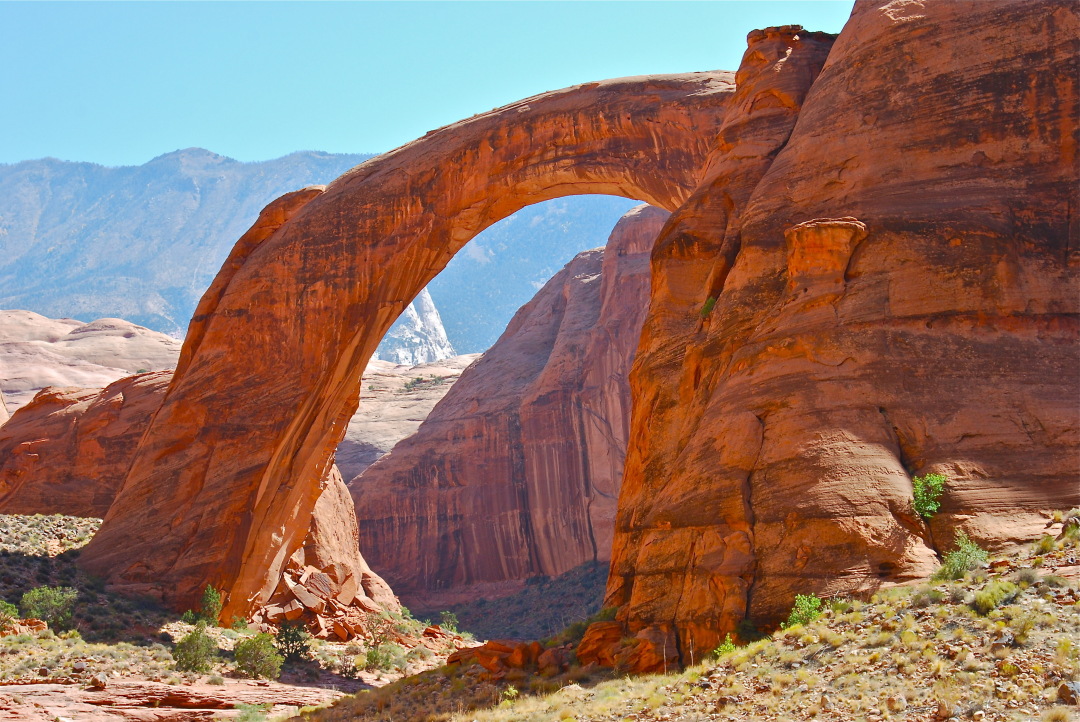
point(256, 657)
point(967, 556)
point(52, 605)
point(293, 642)
point(9, 615)
point(448, 621)
point(211, 605)
point(927, 491)
point(807, 608)
point(196, 651)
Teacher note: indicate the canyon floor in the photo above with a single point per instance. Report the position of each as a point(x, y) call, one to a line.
point(116, 662)
point(1001, 644)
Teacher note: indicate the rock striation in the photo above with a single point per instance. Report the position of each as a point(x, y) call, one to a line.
point(515, 472)
point(232, 461)
point(870, 272)
point(68, 452)
point(880, 280)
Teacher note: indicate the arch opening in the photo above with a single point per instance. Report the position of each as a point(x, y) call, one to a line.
point(225, 478)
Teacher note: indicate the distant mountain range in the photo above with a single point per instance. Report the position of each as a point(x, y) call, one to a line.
point(142, 243)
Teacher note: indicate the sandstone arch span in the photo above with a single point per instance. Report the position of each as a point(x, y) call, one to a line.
point(225, 478)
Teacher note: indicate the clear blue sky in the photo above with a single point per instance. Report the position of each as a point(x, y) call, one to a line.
point(120, 83)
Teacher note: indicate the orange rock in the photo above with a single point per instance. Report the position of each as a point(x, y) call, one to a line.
point(873, 317)
point(552, 661)
point(601, 643)
point(515, 472)
point(67, 451)
point(271, 366)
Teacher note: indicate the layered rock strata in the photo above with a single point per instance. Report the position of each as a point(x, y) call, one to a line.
point(516, 471)
point(68, 451)
point(877, 278)
point(233, 459)
point(880, 281)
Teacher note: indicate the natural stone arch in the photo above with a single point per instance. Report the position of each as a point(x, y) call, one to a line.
point(222, 487)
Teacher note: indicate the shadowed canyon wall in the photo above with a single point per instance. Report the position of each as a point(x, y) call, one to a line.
point(515, 473)
point(224, 481)
point(891, 254)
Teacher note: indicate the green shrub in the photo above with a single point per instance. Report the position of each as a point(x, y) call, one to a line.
point(993, 595)
point(196, 651)
point(293, 641)
point(210, 609)
point(966, 557)
point(448, 621)
point(256, 657)
point(9, 615)
point(807, 608)
point(239, 623)
point(52, 605)
point(726, 647)
point(928, 490)
point(1045, 545)
point(252, 712)
point(708, 306)
point(384, 657)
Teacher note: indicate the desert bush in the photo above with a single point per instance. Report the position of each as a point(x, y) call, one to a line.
point(210, 609)
point(726, 647)
point(994, 594)
point(807, 608)
point(9, 614)
point(966, 557)
point(196, 651)
point(53, 605)
point(927, 491)
point(1045, 545)
point(448, 621)
point(385, 657)
point(293, 642)
point(257, 657)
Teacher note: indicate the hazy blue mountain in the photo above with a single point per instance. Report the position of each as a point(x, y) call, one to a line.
point(86, 241)
point(136, 242)
point(502, 268)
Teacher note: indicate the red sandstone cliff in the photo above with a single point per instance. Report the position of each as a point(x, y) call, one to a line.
point(895, 285)
point(515, 473)
point(68, 451)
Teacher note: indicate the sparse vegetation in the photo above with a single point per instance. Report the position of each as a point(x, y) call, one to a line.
point(708, 306)
point(904, 653)
point(293, 642)
point(257, 657)
point(807, 608)
point(928, 490)
point(52, 605)
point(196, 651)
point(967, 557)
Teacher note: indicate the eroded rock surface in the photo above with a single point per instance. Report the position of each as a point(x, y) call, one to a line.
point(36, 352)
point(234, 456)
point(515, 473)
point(895, 292)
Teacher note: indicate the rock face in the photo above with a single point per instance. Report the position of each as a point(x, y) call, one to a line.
point(515, 473)
point(418, 336)
point(234, 457)
point(68, 452)
point(892, 260)
point(393, 403)
point(36, 352)
point(870, 271)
